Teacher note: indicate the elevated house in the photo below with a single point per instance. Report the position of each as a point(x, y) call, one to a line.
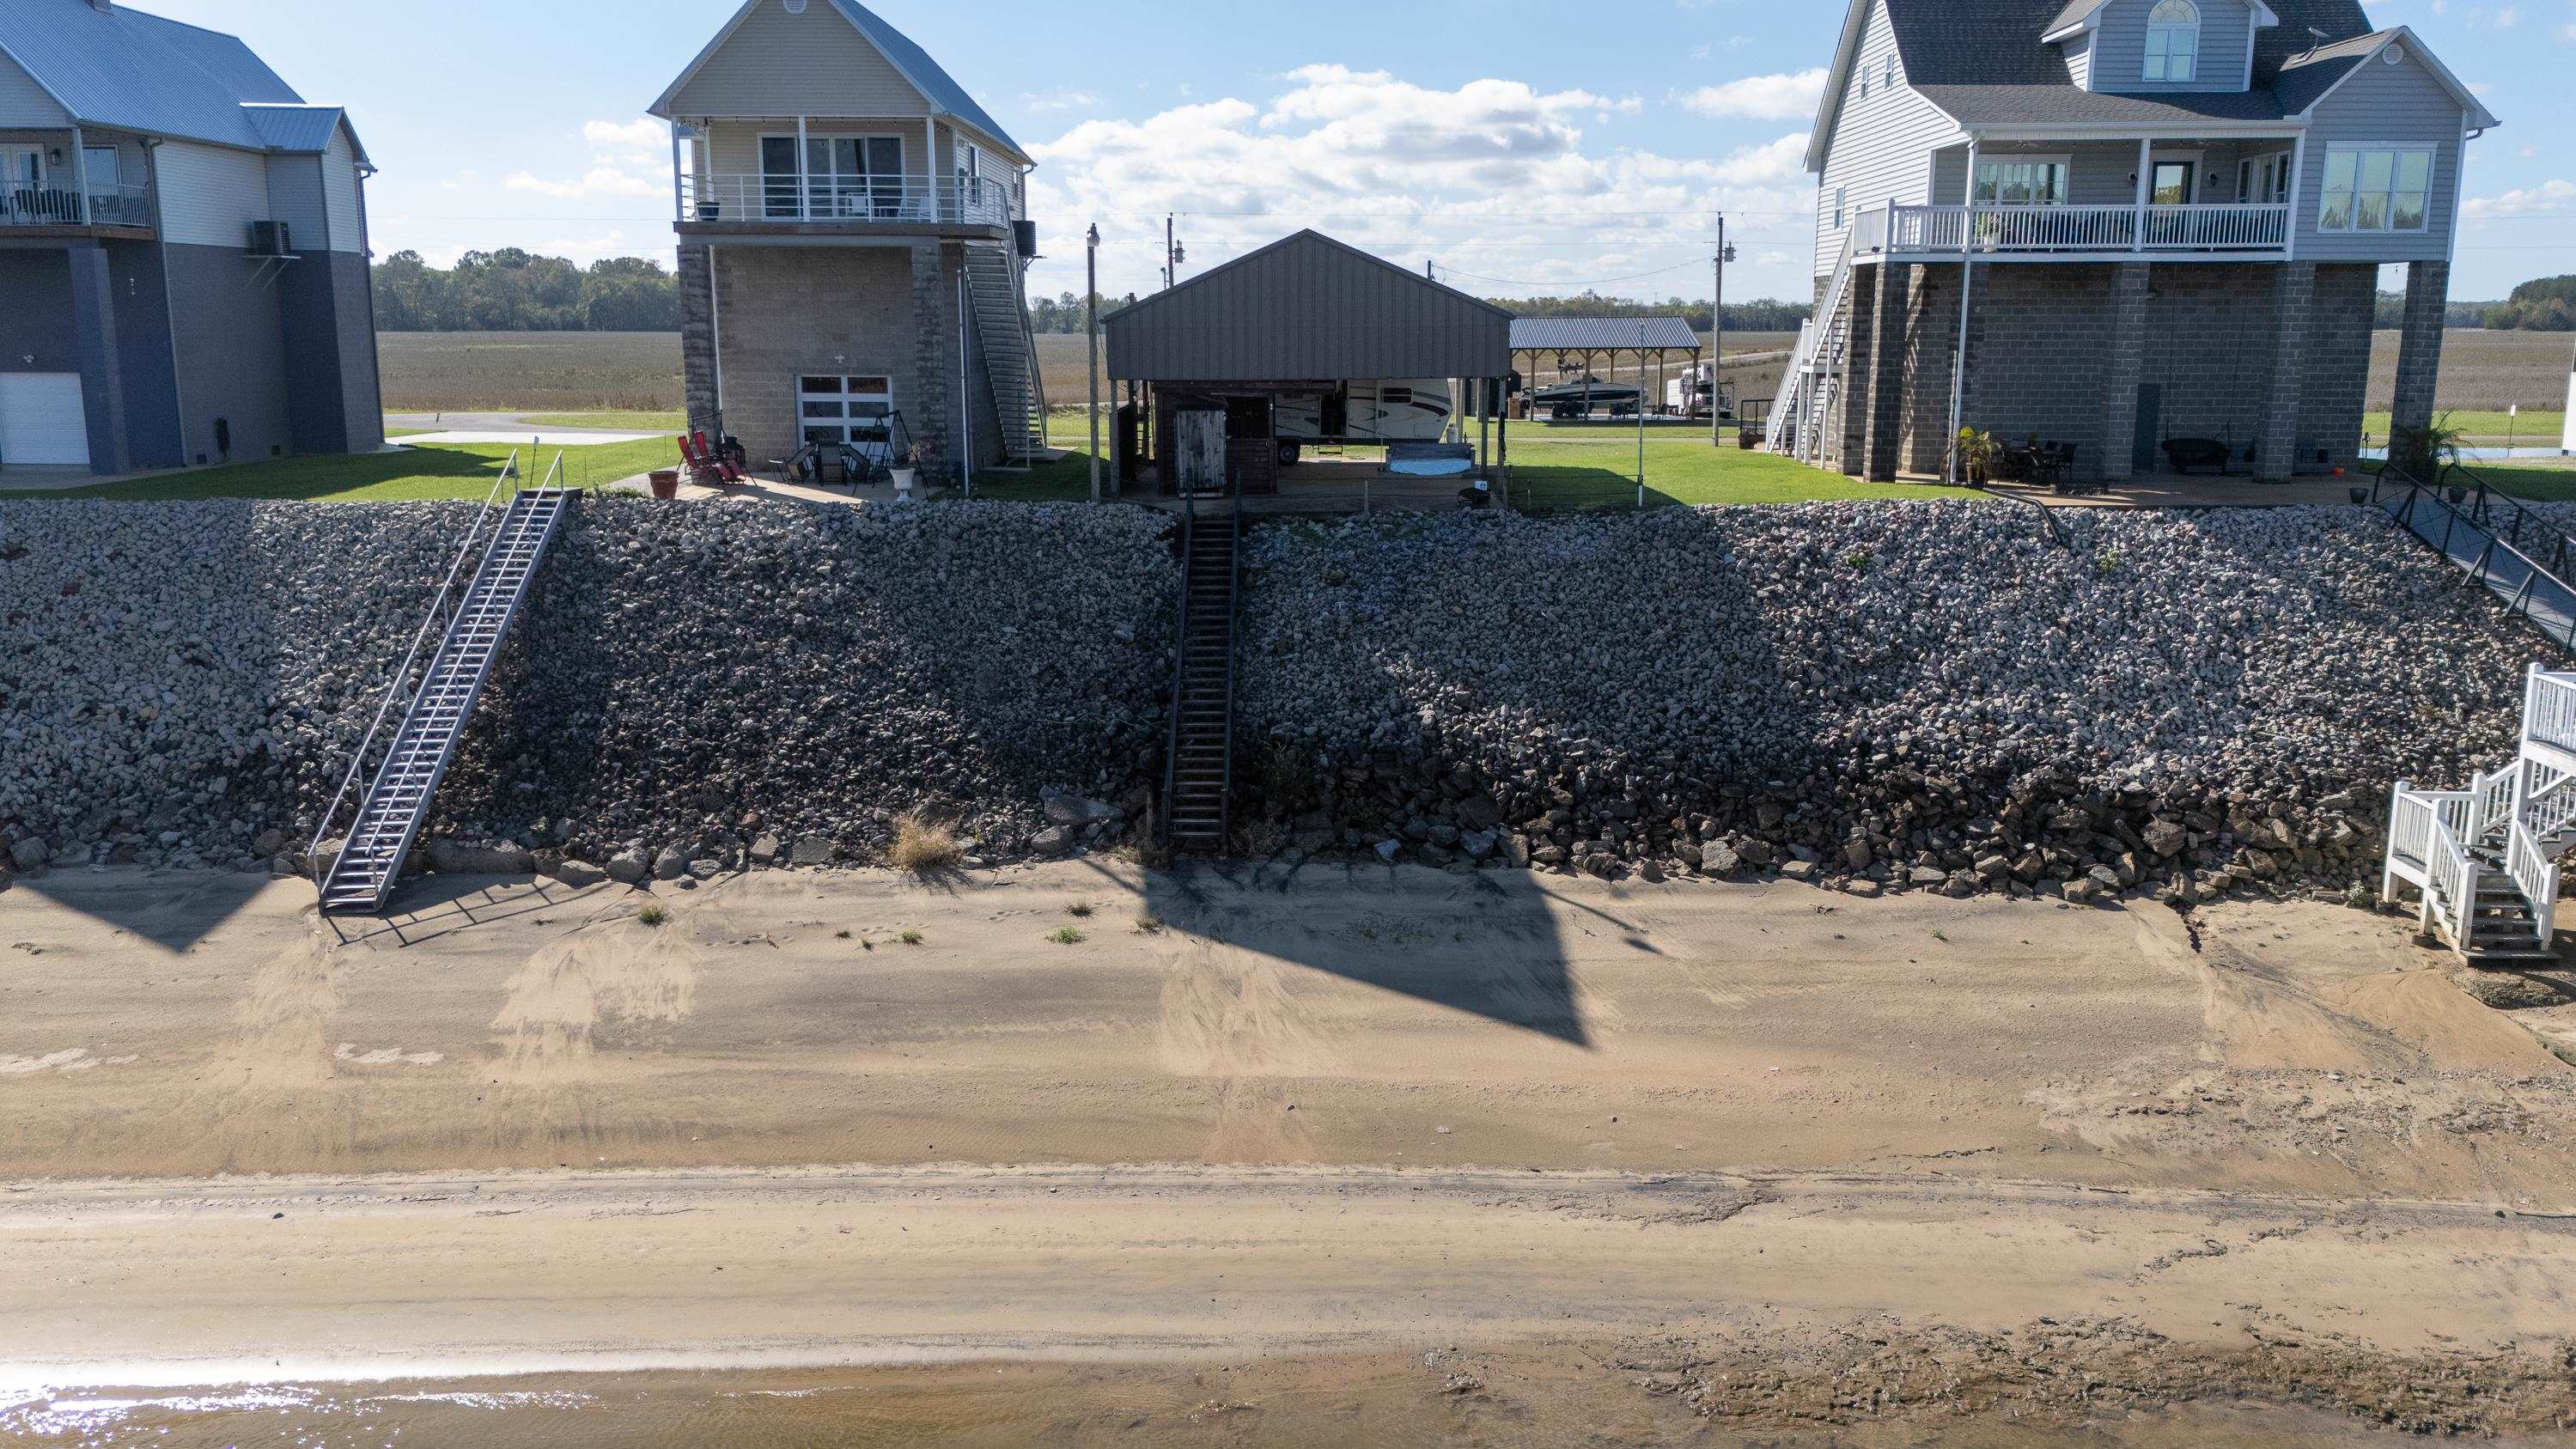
point(2119, 223)
point(854, 239)
point(183, 250)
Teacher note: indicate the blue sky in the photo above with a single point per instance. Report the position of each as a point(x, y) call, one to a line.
point(1519, 152)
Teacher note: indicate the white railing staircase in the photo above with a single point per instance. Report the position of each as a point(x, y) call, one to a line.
point(994, 281)
point(471, 625)
point(2485, 859)
point(1815, 375)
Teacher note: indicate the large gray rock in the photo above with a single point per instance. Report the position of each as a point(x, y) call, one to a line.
point(629, 866)
point(30, 854)
point(671, 864)
point(579, 874)
point(479, 857)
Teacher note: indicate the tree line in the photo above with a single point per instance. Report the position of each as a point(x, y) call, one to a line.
point(1064, 312)
point(2547, 305)
point(515, 291)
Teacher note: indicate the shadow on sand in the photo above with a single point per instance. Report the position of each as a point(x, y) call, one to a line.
point(1487, 943)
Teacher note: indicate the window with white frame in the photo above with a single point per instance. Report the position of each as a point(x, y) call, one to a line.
point(2376, 188)
point(844, 176)
point(2173, 41)
point(2264, 180)
point(2021, 180)
point(833, 409)
point(1841, 195)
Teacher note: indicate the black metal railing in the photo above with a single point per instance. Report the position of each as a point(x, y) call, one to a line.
point(2497, 562)
point(1180, 669)
point(1233, 614)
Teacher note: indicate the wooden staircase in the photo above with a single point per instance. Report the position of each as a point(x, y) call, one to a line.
point(2485, 860)
point(1198, 771)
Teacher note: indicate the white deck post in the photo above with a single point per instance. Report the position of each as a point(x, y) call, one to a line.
point(80, 177)
point(2298, 183)
point(1952, 472)
point(2146, 189)
point(804, 182)
point(679, 197)
point(930, 168)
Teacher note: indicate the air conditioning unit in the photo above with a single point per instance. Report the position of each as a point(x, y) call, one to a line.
point(270, 239)
point(1025, 233)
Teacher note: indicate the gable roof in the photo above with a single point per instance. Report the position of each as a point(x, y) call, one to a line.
point(1307, 308)
point(1600, 334)
point(301, 130)
point(2082, 13)
point(2309, 78)
point(1985, 63)
point(922, 73)
point(132, 71)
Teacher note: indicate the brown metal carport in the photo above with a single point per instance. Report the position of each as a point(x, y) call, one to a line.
point(1304, 315)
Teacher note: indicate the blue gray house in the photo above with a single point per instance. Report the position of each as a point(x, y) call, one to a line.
point(183, 250)
point(2122, 223)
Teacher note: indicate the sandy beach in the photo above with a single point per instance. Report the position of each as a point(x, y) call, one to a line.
point(1711, 1155)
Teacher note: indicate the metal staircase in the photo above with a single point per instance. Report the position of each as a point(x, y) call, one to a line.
point(437, 699)
point(993, 282)
point(1198, 769)
point(2485, 859)
point(2522, 558)
point(1814, 378)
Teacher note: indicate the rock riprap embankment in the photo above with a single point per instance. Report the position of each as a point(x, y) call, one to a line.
point(1889, 696)
point(182, 684)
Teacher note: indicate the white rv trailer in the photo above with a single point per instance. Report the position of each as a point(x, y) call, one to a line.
point(1394, 410)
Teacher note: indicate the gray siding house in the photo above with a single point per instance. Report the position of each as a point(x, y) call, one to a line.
point(183, 250)
point(854, 243)
point(2114, 223)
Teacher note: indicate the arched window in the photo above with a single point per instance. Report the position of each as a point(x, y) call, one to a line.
point(2173, 41)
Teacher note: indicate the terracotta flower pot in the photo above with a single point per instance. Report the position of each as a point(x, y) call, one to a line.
point(666, 483)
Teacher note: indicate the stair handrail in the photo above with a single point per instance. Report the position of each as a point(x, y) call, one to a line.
point(2450, 882)
point(2419, 492)
point(1029, 336)
point(2486, 501)
point(1811, 334)
point(438, 607)
point(1233, 612)
point(2535, 874)
point(1180, 666)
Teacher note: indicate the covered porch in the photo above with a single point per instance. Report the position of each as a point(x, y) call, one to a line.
point(2221, 194)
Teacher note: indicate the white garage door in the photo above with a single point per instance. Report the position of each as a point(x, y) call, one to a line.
point(41, 419)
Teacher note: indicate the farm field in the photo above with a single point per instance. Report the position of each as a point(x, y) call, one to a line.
point(550, 372)
point(2483, 371)
point(416, 473)
point(571, 378)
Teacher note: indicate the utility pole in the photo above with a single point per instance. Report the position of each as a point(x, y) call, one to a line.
point(1091, 328)
point(1174, 254)
point(1717, 339)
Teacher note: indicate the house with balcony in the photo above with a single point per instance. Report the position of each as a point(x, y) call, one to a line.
point(2118, 224)
point(183, 250)
point(854, 243)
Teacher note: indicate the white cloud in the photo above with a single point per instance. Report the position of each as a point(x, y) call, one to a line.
point(597, 181)
point(2547, 196)
point(1792, 97)
point(1492, 179)
point(632, 135)
point(1060, 100)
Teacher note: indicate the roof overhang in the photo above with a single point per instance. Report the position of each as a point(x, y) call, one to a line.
point(661, 109)
point(2480, 118)
point(2074, 23)
point(2134, 131)
point(1820, 140)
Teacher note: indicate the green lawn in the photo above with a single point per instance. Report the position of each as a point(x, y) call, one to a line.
point(670, 423)
point(2531, 430)
point(1556, 470)
point(440, 471)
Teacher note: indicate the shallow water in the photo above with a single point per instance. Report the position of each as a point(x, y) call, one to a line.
point(1434, 1401)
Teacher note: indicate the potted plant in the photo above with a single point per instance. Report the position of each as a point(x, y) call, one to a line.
point(907, 474)
point(665, 483)
point(1977, 450)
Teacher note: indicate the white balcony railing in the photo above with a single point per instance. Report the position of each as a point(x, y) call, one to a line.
point(2086, 229)
point(23, 204)
point(889, 201)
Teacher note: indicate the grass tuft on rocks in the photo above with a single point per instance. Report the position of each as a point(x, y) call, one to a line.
point(924, 847)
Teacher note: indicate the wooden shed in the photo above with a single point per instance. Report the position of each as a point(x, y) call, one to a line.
point(1302, 317)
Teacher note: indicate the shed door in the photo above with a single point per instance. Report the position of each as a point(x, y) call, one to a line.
point(42, 420)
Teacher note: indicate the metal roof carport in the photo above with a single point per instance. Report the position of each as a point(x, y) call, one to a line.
point(1302, 315)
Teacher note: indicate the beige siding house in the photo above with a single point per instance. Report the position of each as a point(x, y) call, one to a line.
point(854, 243)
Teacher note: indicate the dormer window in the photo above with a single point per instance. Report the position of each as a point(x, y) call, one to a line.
point(2173, 41)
